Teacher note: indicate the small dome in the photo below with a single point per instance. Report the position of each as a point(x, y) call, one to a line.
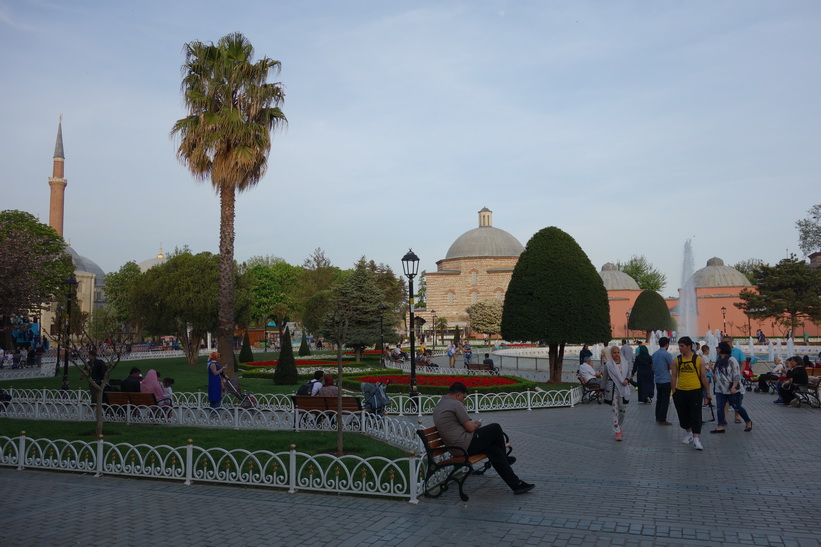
point(616, 280)
point(151, 262)
point(716, 274)
point(485, 241)
point(86, 265)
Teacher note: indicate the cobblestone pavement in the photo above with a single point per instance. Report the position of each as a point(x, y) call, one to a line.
point(648, 490)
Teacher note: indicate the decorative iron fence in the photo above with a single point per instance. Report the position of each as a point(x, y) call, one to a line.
point(290, 470)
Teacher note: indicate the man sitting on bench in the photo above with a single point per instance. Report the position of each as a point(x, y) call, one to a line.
point(489, 361)
point(589, 376)
point(457, 429)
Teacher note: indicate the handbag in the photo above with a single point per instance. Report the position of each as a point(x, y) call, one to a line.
point(787, 384)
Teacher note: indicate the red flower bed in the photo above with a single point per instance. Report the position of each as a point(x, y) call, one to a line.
point(442, 381)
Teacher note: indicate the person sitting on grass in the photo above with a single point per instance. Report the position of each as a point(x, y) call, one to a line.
point(457, 429)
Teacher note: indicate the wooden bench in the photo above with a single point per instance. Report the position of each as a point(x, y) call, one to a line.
point(591, 393)
point(809, 393)
point(441, 456)
point(481, 367)
point(315, 408)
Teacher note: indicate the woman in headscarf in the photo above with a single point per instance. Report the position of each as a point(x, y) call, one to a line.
point(328, 389)
point(643, 371)
point(727, 381)
point(214, 380)
point(617, 390)
point(151, 384)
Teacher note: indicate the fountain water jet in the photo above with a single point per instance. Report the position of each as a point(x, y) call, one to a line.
point(687, 309)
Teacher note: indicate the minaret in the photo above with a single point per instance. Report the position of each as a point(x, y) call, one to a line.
point(58, 183)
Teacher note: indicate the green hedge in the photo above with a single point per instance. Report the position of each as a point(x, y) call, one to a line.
point(264, 372)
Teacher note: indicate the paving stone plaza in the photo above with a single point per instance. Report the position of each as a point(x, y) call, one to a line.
point(758, 488)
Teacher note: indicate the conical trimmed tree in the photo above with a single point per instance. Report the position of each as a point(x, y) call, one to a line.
point(303, 346)
point(285, 373)
point(556, 297)
point(650, 313)
point(245, 354)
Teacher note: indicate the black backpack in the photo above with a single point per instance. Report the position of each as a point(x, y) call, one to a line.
point(306, 388)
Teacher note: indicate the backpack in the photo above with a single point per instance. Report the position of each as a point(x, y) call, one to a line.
point(306, 388)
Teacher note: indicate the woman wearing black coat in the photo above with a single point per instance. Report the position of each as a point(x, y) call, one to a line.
point(643, 372)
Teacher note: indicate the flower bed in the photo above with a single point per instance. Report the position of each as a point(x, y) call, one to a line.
point(307, 372)
point(299, 363)
point(431, 384)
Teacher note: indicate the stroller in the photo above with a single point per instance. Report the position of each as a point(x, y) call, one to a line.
point(376, 398)
point(246, 400)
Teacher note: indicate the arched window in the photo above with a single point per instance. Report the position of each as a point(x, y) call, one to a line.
point(474, 297)
point(499, 294)
point(451, 299)
point(474, 277)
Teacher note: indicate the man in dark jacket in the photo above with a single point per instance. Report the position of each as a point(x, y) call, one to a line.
point(132, 381)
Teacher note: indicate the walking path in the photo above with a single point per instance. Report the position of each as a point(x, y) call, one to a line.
point(590, 490)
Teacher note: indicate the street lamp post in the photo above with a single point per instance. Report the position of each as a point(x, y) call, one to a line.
point(382, 307)
point(71, 284)
point(724, 320)
point(410, 266)
point(627, 324)
point(433, 313)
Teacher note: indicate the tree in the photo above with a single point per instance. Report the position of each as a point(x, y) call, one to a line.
point(273, 291)
point(555, 296)
point(317, 275)
point(285, 373)
point(119, 291)
point(748, 267)
point(33, 267)
point(809, 231)
point(226, 137)
point(786, 293)
point(650, 312)
point(246, 355)
point(640, 269)
point(486, 316)
point(303, 346)
point(422, 290)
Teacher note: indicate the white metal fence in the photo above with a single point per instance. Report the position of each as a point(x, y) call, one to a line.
point(291, 470)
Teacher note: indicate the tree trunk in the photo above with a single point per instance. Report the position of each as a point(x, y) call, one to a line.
point(555, 355)
point(225, 325)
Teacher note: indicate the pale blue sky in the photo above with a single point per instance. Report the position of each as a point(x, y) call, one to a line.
point(630, 125)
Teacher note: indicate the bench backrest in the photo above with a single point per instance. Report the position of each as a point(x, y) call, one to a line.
point(309, 403)
point(479, 366)
point(434, 445)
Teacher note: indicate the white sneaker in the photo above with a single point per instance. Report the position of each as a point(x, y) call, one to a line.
point(688, 438)
point(697, 444)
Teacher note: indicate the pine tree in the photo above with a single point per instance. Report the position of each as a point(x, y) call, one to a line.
point(285, 373)
point(303, 346)
point(555, 296)
point(245, 354)
point(650, 313)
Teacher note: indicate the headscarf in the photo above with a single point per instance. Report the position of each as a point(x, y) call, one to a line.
point(642, 351)
point(151, 384)
point(724, 353)
point(618, 372)
point(329, 380)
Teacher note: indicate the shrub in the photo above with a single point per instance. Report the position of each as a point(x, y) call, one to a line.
point(303, 346)
point(286, 374)
point(245, 354)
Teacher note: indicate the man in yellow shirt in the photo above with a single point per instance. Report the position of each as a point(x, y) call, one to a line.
point(689, 377)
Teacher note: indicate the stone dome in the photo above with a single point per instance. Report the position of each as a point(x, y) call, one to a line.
point(716, 274)
point(86, 265)
point(151, 262)
point(485, 241)
point(616, 280)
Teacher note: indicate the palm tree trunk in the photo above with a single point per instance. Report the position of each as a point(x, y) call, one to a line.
point(225, 328)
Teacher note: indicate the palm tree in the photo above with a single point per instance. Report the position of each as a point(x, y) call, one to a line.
point(226, 137)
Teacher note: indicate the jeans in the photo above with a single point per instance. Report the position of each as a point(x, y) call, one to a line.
point(735, 402)
point(663, 401)
point(490, 440)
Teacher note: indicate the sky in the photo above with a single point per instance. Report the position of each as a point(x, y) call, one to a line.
point(631, 125)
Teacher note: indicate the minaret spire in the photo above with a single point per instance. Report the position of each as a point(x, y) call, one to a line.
point(58, 183)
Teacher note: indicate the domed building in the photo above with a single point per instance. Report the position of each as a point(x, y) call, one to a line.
point(151, 262)
point(717, 288)
point(478, 266)
point(622, 292)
